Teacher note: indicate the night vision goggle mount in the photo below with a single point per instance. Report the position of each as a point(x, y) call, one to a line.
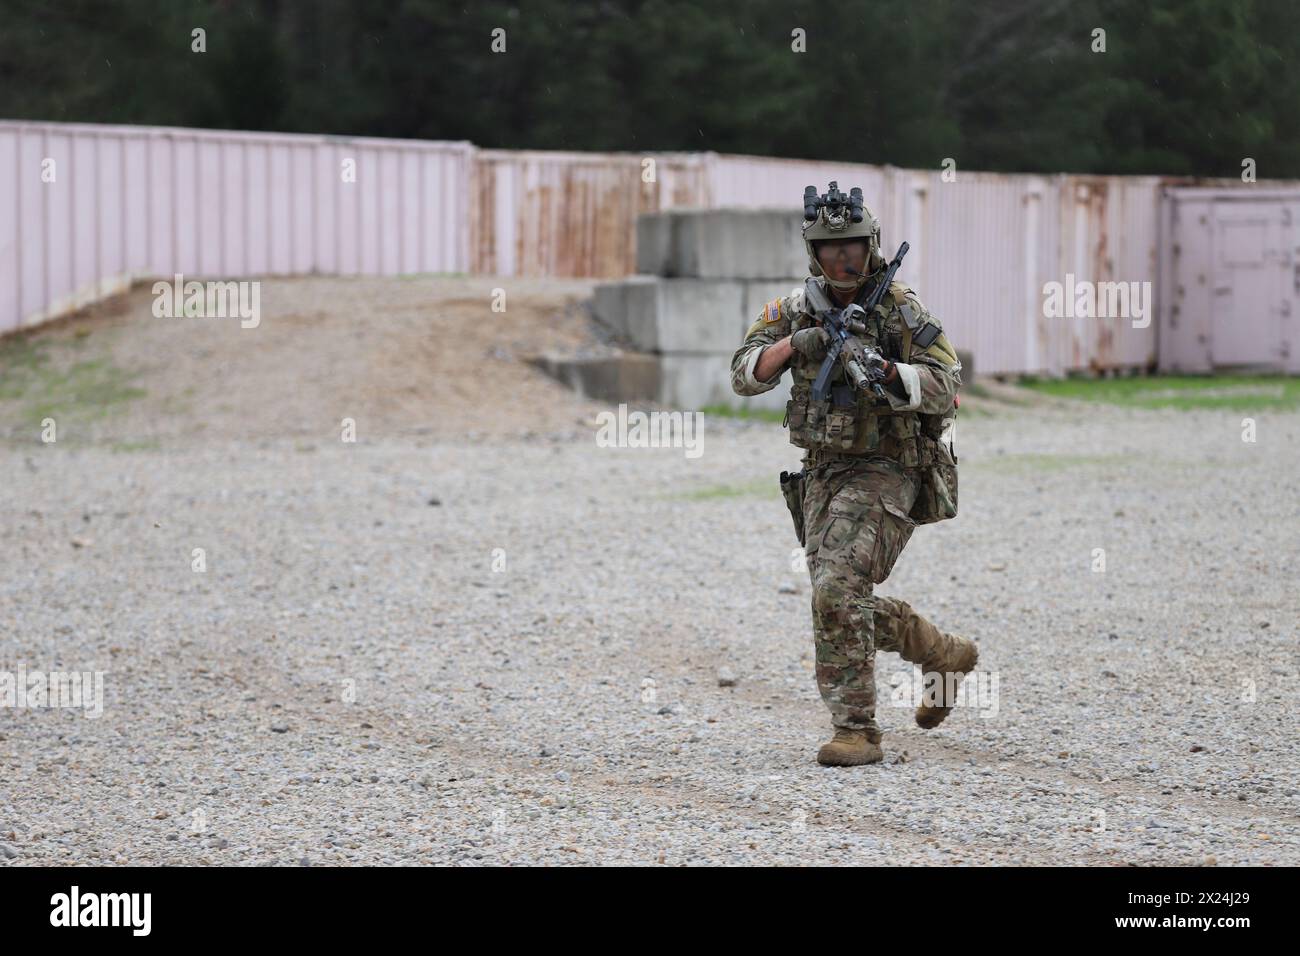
point(837, 209)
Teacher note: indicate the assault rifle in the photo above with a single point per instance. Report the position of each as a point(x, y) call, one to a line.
point(863, 364)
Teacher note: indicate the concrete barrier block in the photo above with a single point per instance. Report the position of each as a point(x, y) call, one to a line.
point(627, 377)
point(684, 315)
point(758, 293)
point(693, 381)
point(610, 302)
point(696, 381)
point(654, 241)
point(688, 382)
point(967, 360)
point(720, 244)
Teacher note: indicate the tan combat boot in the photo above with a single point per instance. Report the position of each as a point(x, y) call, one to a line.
point(954, 655)
point(850, 748)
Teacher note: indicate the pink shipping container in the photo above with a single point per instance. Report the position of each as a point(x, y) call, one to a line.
point(86, 209)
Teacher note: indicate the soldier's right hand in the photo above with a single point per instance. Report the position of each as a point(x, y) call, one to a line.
point(811, 342)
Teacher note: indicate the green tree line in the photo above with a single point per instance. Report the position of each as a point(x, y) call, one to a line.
point(1183, 87)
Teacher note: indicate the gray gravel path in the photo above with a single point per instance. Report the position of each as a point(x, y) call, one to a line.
point(351, 681)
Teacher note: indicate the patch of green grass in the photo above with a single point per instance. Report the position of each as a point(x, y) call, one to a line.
point(753, 489)
point(750, 414)
point(21, 360)
point(1043, 462)
point(1234, 392)
point(87, 390)
point(49, 385)
point(147, 444)
point(179, 404)
point(977, 401)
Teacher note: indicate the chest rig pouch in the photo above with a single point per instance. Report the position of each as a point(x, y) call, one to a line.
point(936, 498)
point(851, 421)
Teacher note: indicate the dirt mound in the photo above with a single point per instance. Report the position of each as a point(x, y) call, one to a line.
point(422, 356)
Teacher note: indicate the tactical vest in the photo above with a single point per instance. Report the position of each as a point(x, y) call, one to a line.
point(854, 422)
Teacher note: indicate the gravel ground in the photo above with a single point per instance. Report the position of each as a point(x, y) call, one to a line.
point(361, 677)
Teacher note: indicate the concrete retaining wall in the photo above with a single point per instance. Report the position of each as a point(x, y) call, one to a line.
point(709, 273)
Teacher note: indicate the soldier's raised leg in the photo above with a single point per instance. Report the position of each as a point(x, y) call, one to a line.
point(899, 628)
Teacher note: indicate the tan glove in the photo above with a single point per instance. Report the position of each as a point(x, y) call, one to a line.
point(812, 342)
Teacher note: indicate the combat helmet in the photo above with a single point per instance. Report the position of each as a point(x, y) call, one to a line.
point(834, 215)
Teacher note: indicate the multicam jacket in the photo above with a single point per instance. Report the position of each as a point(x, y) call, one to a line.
point(856, 422)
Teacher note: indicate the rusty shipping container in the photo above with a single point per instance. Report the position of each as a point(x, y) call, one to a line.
point(84, 209)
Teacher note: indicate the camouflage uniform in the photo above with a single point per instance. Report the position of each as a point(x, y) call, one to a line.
point(861, 465)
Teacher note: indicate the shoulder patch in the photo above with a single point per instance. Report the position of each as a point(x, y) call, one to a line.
point(772, 311)
point(926, 335)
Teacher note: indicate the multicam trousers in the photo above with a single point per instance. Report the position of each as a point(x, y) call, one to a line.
point(856, 525)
